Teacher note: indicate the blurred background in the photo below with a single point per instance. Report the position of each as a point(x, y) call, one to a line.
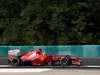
point(49, 22)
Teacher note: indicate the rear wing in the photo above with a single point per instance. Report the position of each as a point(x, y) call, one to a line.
point(13, 52)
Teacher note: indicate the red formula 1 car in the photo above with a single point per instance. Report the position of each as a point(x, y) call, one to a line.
point(37, 58)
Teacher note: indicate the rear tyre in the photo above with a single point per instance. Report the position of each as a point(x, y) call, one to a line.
point(15, 61)
point(9, 62)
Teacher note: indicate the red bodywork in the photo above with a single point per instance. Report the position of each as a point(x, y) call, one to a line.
point(36, 57)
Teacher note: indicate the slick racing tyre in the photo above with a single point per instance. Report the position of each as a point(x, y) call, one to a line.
point(15, 61)
point(64, 61)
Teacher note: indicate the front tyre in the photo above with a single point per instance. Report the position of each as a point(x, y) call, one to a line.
point(64, 61)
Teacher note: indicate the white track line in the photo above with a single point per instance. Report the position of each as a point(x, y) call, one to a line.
point(23, 70)
point(93, 66)
point(5, 65)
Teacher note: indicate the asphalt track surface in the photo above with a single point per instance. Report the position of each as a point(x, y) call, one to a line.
point(55, 71)
point(58, 72)
point(85, 61)
point(3, 61)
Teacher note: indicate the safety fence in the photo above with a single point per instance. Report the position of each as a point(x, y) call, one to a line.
point(88, 51)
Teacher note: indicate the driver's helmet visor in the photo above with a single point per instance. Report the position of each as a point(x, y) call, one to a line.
point(33, 54)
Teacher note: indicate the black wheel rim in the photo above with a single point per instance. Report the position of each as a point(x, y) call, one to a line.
point(64, 61)
point(15, 61)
